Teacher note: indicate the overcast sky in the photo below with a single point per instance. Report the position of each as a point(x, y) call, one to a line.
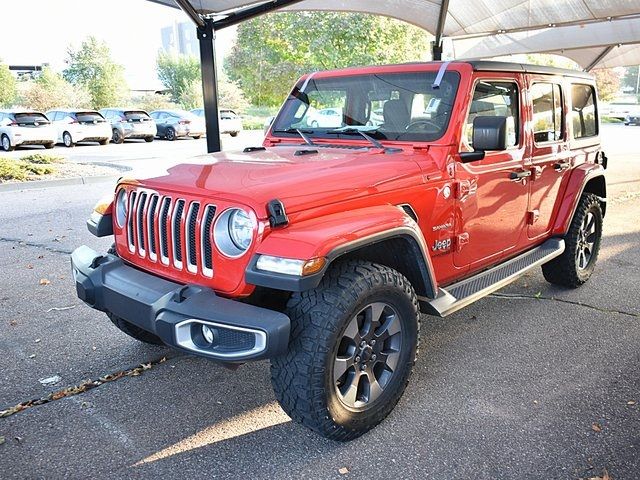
point(39, 31)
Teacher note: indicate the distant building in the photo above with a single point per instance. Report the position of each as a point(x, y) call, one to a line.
point(180, 39)
point(27, 72)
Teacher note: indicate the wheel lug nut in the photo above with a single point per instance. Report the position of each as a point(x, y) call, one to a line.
point(373, 342)
point(373, 357)
point(363, 367)
point(358, 358)
point(363, 344)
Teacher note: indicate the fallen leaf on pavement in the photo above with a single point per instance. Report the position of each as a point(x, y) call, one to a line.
point(2, 440)
point(13, 323)
point(596, 427)
point(33, 355)
point(30, 267)
point(37, 340)
point(343, 471)
point(44, 281)
point(631, 402)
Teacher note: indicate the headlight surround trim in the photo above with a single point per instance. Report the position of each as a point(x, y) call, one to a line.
point(121, 207)
point(223, 237)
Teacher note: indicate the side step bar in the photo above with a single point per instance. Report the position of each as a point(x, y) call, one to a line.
point(461, 294)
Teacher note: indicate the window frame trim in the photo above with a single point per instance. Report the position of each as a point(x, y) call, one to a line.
point(595, 108)
point(563, 120)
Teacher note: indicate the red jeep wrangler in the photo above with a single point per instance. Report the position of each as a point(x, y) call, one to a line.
point(379, 193)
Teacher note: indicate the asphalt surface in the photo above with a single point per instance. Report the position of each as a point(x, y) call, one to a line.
point(535, 382)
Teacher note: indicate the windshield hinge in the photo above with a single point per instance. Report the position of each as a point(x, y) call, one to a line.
point(277, 214)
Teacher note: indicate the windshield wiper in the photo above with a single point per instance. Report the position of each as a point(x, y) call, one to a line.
point(349, 130)
point(302, 133)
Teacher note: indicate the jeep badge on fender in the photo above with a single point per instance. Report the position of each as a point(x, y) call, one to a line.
point(379, 194)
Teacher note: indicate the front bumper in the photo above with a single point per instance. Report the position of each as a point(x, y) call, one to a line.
point(176, 313)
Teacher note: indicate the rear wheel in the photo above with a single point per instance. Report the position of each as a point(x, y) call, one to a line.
point(233, 134)
point(104, 142)
point(116, 136)
point(67, 140)
point(197, 137)
point(170, 135)
point(148, 139)
point(352, 348)
point(49, 146)
point(6, 144)
point(582, 245)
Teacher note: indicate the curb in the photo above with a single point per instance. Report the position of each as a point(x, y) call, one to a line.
point(60, 182)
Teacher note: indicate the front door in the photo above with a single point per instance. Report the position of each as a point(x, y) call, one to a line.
point(491, 206)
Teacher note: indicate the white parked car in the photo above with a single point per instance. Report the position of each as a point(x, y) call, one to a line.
point(23, 127)
point(229, 120)
point(325, 118)
point(75, 126)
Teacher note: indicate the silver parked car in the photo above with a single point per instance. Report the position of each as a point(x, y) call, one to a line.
point(24, 127)
point(75, 126)
point(172, 124)
point(129, 123)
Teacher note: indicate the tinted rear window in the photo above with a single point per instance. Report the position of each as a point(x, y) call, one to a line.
point(89, 117)
point(583, 111)
point(136, 115)
point(30, 118)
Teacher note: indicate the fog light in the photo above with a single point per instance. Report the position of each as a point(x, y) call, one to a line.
point(207, 334)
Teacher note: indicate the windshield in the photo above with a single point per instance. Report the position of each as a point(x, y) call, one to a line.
point(389, 106)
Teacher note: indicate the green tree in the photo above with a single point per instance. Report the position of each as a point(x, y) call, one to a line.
point(92, 67)
point(50, 90)
point(608, 83)
point(8, 90)
point(273, 50)
point(178, 74)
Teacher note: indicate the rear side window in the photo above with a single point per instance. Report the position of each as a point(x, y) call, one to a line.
point(547, 112)
point(583, 111)
point(495, 99)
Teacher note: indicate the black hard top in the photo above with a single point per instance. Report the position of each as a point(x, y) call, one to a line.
point(491, 66)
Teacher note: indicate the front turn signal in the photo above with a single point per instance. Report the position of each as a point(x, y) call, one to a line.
point(104, 205)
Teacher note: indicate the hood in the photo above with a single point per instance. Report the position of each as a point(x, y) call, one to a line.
point(299, 181)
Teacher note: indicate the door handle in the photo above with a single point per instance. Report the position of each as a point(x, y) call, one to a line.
point(519, 175)
point(561, 166)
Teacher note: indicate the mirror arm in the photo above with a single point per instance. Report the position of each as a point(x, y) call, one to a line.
point(466, 157)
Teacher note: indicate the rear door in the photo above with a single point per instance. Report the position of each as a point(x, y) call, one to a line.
point(491, 207)
point(551, 158)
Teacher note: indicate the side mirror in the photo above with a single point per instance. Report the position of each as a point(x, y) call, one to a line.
point(489, 133)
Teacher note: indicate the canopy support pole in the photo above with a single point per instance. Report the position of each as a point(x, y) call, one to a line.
point(206, 37)
point(436, 47)
point(599, 58)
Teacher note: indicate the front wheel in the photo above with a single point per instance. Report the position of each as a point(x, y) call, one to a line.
point(67, 140)
point(6, 144)
point(170, 135)
point(116, 136)
point(582, 245)
point(352, 348)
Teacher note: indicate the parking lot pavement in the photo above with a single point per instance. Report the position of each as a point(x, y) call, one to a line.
point(534, 382)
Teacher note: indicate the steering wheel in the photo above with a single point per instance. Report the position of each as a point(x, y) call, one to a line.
point(426, 123)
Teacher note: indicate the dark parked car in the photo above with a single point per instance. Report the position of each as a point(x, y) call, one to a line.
point(129, 123)
point(172, 124)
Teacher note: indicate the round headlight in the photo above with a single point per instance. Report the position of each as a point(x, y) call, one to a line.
point(240, 229)
point(121, 208)
point(233, 232)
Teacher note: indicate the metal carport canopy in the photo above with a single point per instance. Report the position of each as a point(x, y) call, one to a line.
point(594, 33)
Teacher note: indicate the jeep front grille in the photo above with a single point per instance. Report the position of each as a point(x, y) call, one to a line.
point(175, 231)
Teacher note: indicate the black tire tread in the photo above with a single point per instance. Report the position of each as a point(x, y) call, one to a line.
point(316, 315)
point(562, 270)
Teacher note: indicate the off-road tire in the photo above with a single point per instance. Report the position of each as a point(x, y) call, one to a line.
point(563, 270)
point(303, 377)
point(133, 331)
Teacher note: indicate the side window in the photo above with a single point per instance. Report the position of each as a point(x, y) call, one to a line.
point(546, 99)
point(495, 99)
point(583, 111)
